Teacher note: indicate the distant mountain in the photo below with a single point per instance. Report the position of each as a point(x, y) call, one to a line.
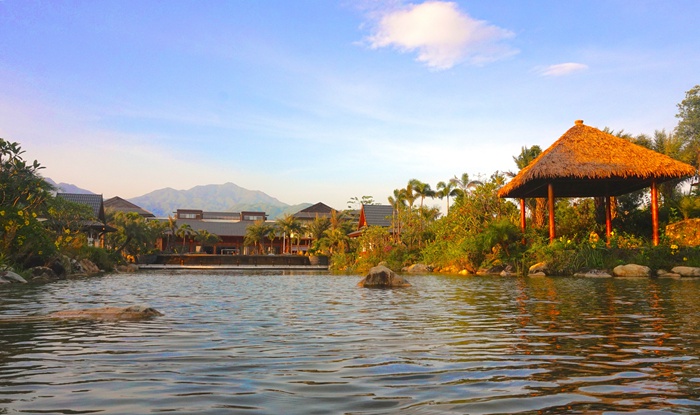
point(67, 187)
point(227, 197)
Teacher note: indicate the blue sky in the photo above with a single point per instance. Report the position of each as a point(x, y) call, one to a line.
point(325, 100)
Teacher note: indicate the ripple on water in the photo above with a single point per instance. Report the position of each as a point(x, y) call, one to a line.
point(265, 343)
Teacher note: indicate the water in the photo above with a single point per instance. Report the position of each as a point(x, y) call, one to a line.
point(317, 344)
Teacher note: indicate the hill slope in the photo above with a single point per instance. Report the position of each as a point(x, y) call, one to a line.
point(227, 197)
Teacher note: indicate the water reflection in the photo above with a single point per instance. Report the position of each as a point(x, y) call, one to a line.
point(235, 343)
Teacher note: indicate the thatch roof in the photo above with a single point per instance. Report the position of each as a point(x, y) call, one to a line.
point(587, 162)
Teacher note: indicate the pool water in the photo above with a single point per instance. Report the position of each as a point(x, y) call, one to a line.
point(281, 343)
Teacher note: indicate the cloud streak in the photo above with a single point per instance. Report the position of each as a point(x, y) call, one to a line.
point(441, 35)
point(562, 69)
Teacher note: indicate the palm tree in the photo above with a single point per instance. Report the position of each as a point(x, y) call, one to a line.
point(317, 227)
point(289, 225)
point(255, 233)
point(446, 189)
point(397, 202)
point(336, 236)
point(463, 185)
point(184, 231)
point(271, 235)
point(421, 190)
point(205, 238)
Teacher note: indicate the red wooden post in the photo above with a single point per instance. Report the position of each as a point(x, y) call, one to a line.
point(523, 222)
point(550, 196)
point(608, 220)
point(654, 213)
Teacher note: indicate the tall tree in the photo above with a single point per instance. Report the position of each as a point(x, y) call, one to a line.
point(537, 207)
point(398, 204)
point(688, 127)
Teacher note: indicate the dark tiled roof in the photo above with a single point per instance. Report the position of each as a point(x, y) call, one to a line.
point(92, 200)
point(318, 210)
point(377, 215)
point(217, 227)
point(121, 205)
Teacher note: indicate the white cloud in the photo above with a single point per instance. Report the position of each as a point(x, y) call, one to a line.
point(562, 69)
point(441, 34)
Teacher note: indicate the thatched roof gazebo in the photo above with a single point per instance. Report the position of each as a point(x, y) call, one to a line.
point(587, 162)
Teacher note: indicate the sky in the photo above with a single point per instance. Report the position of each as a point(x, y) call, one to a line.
point(324, 100)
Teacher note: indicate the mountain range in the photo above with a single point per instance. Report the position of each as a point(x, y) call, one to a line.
point(227, 197)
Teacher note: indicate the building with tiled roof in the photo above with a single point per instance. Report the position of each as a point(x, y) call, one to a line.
point(95, 229)
point(117, 204)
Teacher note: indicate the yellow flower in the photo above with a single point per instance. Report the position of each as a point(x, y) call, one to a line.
point(685, 258)
point(674, 246)
point(2, 213)
point(20, 213)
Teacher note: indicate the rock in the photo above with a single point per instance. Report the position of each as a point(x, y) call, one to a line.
point(382, 277)
point(417, 269)
point(632, 270)
point(494, 270)
point(9, 277)
point(44, 274)
point(537, 274)
point(135, 312)
point(88, 266)
point(129, 268)
point(662, 273)
point(686, 271)
point(508, 271)
point(593, 273)
point(540, 267)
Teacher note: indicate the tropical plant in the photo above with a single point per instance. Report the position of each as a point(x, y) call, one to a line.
point(23, 193)
point(135, 235)
point(206, 238)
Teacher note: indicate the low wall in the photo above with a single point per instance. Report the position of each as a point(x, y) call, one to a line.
point(237, 260)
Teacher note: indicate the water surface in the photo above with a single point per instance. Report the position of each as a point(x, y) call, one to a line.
point(317, 344)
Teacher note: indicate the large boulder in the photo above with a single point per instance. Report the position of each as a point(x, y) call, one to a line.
point(686, 271)
point(135, 312)
point(382, 277)
point(632, 270)
point(9, 277)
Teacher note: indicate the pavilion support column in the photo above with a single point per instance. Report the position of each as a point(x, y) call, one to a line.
point(550, 202)
point(523, 222)
point(608, 220)
point(654, 213)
